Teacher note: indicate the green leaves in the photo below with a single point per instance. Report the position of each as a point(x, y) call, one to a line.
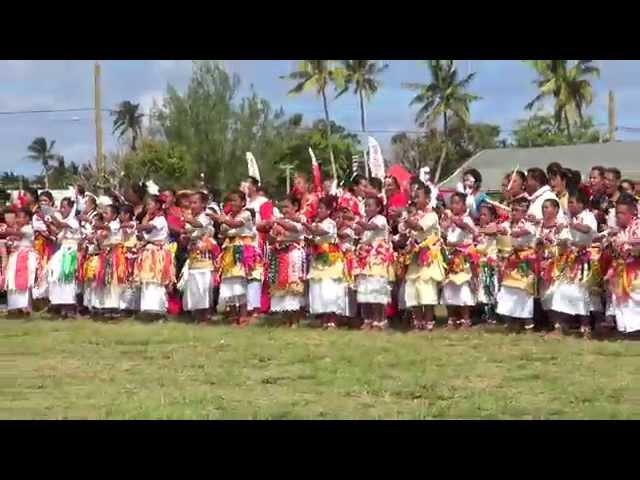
point(567, 83)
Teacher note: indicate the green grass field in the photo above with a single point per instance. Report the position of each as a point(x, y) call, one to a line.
point(83, 369)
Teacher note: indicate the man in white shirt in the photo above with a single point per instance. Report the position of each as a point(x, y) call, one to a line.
point(538, 191)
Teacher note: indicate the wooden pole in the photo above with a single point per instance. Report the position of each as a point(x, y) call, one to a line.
point(612, 117)
point(98, 119)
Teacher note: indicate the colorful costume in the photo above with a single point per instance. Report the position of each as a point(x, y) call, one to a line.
point(22, 269)
point(570, 285)
point(287, 270)
point(346, 243)
point(197, 276)
point(487, 285)
point(327, 279)
point(623, 279)
point(426, 267)
point(374, 263)
point(110, 270)
point(460, 282)
point(63, 265)
point(130, 292)
point(518, 275)
point(155, 268)
point(240, 264)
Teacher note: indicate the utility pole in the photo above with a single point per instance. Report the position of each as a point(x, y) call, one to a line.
point(612, 117)
point(98, 119)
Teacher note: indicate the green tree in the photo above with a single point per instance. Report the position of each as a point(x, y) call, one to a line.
point(568, 84)
point(216, 128)
point(164, 163)
point(42, 152)
point(362, 76)
point(317, 76)
point(443, 98)
point(297, 141)
point(542, 131)
point(128, 120)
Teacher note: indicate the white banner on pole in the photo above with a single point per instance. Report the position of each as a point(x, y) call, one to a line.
point(252, 166)
point(376, 161)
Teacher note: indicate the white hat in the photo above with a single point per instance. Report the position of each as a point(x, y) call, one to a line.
point(103, 201)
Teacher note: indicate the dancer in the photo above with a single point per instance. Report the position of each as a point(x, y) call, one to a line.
point(426, 269)
point(374, 265)
point(327, 285)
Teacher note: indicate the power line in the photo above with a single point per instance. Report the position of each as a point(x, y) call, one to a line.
point(59, 110)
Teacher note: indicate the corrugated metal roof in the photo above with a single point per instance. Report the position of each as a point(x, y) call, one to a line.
point(494, 164)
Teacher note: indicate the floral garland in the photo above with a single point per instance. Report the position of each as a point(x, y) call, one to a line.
point(379, 253)
point(326, 254)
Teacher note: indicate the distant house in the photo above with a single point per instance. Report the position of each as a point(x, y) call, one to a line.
point(495, 163)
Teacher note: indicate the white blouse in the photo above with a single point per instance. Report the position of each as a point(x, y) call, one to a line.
point(329, 226)
point(158, 234)
point(381, 233)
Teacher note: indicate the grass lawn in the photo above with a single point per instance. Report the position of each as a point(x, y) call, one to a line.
point(130, 370)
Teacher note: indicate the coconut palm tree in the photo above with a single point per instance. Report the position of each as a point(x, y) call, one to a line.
point(361, 74)
point(128, 119)
point(444, 97)
point(42, 152)
point(317, 76)
point(568, 84)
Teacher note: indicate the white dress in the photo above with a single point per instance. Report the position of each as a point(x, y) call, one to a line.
point(291, 302)
point(240, 290)
point(515, 302)
point(327, 292)
point(108, 297)
point(374, 288)
point(198, 288)
point(452, 293)
point(21, 299)
point(64, 292)
point(626, 310)
point(573, 298)
point(153, 296)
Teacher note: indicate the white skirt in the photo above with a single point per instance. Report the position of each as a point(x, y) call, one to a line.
point(130, 299)
point(327, 296)
point(153, 298)
point(198, 290)
point(458, 295)
point(62, 293)
point(87, 295)
point(373, 289)
point(254, 295)
point(106, 297)
point(233, 291)
point(570, 298)
point(287, 303)
point(513, 302)
point(19, 300)
point(627, 313)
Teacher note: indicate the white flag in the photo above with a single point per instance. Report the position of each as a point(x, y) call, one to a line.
point(252, 166)
point(376, 162)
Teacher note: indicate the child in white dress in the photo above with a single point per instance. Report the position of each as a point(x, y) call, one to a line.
point(374, 265)
point(327, 282)
point(458, 291)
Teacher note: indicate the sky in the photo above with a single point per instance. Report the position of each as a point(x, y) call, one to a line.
point(504, 85)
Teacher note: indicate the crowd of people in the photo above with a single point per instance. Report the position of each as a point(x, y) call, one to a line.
point(555, 252)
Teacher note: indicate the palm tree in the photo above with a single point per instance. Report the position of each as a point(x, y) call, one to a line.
point(128, 119)
point(568, 85)
point(42, 152)
point(317, 75)
point(444, 97)
point(361, 74)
